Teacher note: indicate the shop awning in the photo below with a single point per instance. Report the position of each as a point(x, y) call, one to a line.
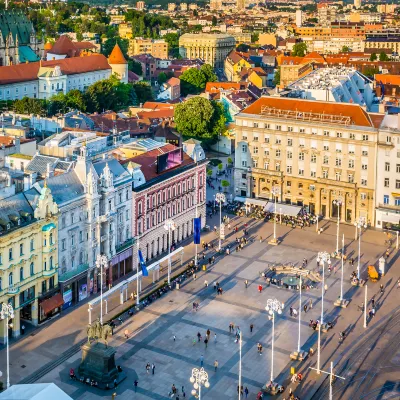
point(52, 303)
point(284, 209)
point(251, 202)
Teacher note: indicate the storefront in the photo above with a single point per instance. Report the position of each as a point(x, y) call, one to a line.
point(26, 298)
point(50, 306)
point(75, 286)
point(120, 265)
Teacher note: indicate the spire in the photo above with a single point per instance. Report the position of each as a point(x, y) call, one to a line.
point(116, 56)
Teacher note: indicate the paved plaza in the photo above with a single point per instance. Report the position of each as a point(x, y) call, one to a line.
point(152, 331)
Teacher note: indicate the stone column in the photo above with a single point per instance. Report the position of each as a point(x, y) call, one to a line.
point(16, 332)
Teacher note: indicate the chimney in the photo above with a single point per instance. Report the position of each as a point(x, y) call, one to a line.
point(17, 144)
point(50, 171)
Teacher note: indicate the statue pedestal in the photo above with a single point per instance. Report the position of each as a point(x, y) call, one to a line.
point(98, 363)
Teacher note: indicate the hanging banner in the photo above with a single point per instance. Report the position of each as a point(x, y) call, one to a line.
point(196, 230)
point(142, 264)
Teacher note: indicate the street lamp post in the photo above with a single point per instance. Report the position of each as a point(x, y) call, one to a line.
point(276, 191)
point(199, 378)
point(101, 262)
point(299, 355)
point(273, 306)
point(323, 257)
point(169, 226)
point(7, 313)
point(341, 302)
point(220, 198)
point(359, 224)
point(338, 203)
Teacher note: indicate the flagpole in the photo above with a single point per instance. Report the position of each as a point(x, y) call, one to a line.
point(137, 275)
point(195, 246)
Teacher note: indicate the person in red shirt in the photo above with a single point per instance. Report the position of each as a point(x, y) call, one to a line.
point(260, 288)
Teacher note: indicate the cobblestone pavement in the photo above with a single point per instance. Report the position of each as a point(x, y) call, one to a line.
point(153, 329)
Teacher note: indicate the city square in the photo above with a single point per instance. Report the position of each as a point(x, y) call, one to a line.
point(165, 332)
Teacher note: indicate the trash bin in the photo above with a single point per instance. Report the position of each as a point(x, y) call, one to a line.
point(204, 268)
point(178, 286)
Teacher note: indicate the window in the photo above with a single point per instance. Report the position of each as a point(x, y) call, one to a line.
point(397, 184)
point(398, 168)
point(278, 140)
point(72, 240)
point(63, 244)
point(364, 166)
point(51, 239)
point(339, 134)
point(244, 163)
point(21, 274)
point(51, 262)
point(388, 139)
point(288, 183)
point(266, 139)
point(267, 126)
point(386, 199)
point(351, 163)
point(365, 138)
point(266, 165)
point(72, 218)
point(32, 245)
point(10, 279)
point(277, 167)
point(255, 150)
point(325, 174)
point(302, 142)
point(326, 147)
point(255, 163)
point(1, 259)
point(313, 158)
point(289, 155)
point(364, 153)
point(326, 160)
point(338, 162)
point(363, 182)
point(255, 138)
point(363, 196)
point(351, 149)
point(10, 254)
point(350, 178)
point(338, 176)
point(386, 182)
point(255, 124)
point(313, 174)
point(244, 148)
point(266, 152)
point(21, 249)
point(278, 127)
point(326, 133)
point(301, 156)
point(387, 166)
point(301, 171)
point(289, 169)
point(352, 136)
point(290, 142)
point(277, 153)
point(302, 130)
point(290, 128)
point(397, 201)
point(32, 269)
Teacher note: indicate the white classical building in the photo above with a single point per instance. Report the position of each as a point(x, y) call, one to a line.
point(44, 79)
point(387, 193)
point(95, 204)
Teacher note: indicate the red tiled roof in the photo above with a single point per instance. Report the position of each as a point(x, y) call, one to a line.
point(147, 161)
point(376, 119)
point(69, 66)
point(388, 79)
point(357, 114)
point(214, 87)
point(64, 45)
point(154, 105)
point(116, 56)
point(174, 81)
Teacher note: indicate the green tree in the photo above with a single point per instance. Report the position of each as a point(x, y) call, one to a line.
point(209, 172)
point(370, 71)
point(243, 47)
point(200, 118)
point(193, 80)
point(383, 56)
point(173, 43)
point(143, 92)
point(225, 184)
point(299, 50)
point(108, 45)
point(30, 106)
point(345, 49)
point(277, 77)
point(254, 37)
point(373, 57)
point(230, 161)
point(162, 77)
point(214, 21)
point(208, 72)
point(135, 67)
point(220, 167)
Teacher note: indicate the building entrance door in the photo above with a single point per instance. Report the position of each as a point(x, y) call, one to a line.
point(323, 210)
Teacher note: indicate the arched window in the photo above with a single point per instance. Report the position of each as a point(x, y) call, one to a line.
point(32, 269)
point(10, 279)
point(51, 238)
point(21, 274)
point(51, 262)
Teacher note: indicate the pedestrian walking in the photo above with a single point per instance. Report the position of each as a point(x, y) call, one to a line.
point(246, 392)
point(135, 384)
point(22, 329)
point(310, 306)
point(215, 365)
point(153, 368)
point(215, 338)
point(398, 284)
point(370, 313)
point(208, 333)
point(147, 368)
point(291, 311)
point(305, 308)
point(373, 302)
point(199, 336)
point(251, 328)
point(382, 288)
point(201, 360)
point(206, 342)
point(206, 283)
point(373, 311)
point(174, 338)
point(126, 334)
point(246, 283)
point(260, 288)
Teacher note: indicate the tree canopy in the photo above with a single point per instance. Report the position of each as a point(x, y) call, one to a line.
point(373, 57)
point(201, 119)
point(299, 49)
point(193, 80)
point(383, 56)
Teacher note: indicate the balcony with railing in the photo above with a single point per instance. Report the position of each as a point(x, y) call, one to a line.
point(128, 243)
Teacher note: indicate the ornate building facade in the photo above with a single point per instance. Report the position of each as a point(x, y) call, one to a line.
point(18, 41)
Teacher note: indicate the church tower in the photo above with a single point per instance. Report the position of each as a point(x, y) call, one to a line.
point(118, 64)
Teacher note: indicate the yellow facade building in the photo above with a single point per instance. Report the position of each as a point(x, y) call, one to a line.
point(313, 151)
point(125, 31)
point(233, 66)
point(28, 258)
point(157, 48)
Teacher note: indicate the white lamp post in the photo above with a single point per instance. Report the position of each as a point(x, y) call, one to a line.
point(359, 224)
point(342, 302)
point(276, 191)
point(273, 306)
point(199, 378)
point(322, 258)
point(299, 355)
point(101, 262)
point(338, 203)
point(7, 313)
point(240, 364)
point(169, 226)
point(220, 198)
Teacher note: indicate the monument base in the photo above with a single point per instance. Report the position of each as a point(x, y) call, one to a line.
point(98, 365)
point(298, 355)
point(274, 242)
point(271, 389)
point(341, 303)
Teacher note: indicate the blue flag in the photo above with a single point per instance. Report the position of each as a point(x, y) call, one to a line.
point(196, 230)
point(142, 264)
